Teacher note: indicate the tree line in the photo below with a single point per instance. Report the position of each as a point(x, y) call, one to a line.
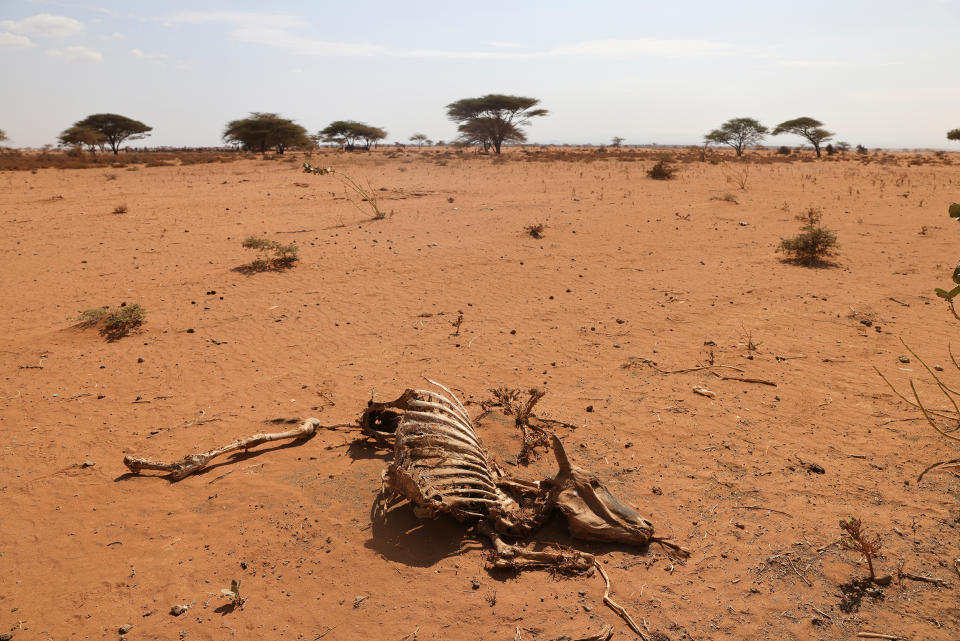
point(487, 121)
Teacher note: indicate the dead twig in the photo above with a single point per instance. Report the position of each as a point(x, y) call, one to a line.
point(192, 463)
point(899, 302)
point(760, 507)
point(748, 380)
point(797, 572)
point(616, 607)
point(877, 635)
point(819, 611)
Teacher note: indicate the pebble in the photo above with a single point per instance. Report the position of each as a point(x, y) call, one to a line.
point(177, 610)
point(88, 464)
point(125, 628)
point(6, 636)
point(903, 359)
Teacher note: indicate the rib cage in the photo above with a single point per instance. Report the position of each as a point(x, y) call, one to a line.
point(439, 463)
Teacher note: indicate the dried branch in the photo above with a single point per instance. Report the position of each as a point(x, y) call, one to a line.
point(616, 607)
point(192, 463)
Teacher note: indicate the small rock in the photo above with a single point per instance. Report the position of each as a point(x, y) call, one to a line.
point(87, 464)
point(139, 360)
point(6, 636)
point(177, 610)
point(475, 584)
point(710, 343)
point(657, 490)
point(740, 526)
point(866, 321)
point(903, 359)
point(587, 608)
point(938, 368)
point(589, 408)
point(125, 628)
point(190, 331)
point(815, 468)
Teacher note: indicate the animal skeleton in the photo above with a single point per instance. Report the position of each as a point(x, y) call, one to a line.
point(441, 466)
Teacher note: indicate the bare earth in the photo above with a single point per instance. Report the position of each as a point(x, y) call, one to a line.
point(628, 269)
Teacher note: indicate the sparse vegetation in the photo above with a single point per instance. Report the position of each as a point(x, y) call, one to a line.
point(809, 128)
point(950, 295)
point(662, 171)
point(855, 538)
point(737, 173)
point(738, 133)
point(814, 244)
point(367, 194)
point(272, 254)
point(233, 593)
point(727, 198)
point(120, 209)
point(114, 323)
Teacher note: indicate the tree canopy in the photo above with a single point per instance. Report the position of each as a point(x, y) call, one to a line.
point(809, 128)
point(419, 138)
point(3, 135)
point(738, 133)
point(347, 133)
point(953, 134)
point(115, 129)
point(262, 131)
point(493, 119)
point(79, 136)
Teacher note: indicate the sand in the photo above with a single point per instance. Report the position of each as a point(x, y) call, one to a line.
point(629, 272)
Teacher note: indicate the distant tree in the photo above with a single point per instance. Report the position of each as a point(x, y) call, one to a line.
point(370, 135)
point(809, 128)
point(79, 136)
point(115, 129)
point(262, 131)
point(3, 135)
point(738, 133)
point(494, 119)
point(953, 134)
point(420, 139)
point(616, 141)
point(843, 147)
point(346, 133)
point(862, 150)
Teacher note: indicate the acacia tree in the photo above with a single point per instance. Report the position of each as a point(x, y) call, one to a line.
point(261, 131)
point(809, 128)
point(616, 141)
point(953, 134)
point(3, 135)
point(738, 133)
point(494, 118)
point(79, 136)
point(347, 132)
point(418, 138)
point(115, 129)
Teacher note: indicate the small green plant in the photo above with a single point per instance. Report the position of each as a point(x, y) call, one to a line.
point(855, 538)
point(367, 194)
point(272, 255)
point(814, 244)
point(954, 212)
point(662, 171)
point(120, 209)
point(114, 323)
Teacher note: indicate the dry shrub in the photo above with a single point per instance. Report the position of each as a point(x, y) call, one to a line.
point(114, 323)
point(662, 171)
point(272, 256)
point(814, 244)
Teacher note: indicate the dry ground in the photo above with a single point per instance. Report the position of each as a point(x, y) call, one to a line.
point(628, 269)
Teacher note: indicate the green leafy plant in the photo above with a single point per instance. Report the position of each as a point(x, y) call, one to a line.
point(114, 323)
point(814, 244)
point(662, 171)
point(272, 255)
point(953, 293)
point(855, 538)
point(367, 194)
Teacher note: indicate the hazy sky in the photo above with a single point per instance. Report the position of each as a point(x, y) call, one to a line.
point(880, 73)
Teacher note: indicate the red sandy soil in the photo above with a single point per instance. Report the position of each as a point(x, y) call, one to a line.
point(628, 269)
